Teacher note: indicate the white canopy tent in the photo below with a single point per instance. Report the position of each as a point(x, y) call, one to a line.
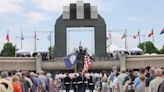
point(113, 48)
point(21, 51)
point(41, 51)
point(135, 50)
point(121, 49)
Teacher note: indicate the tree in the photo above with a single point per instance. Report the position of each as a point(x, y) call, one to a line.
point(149, 47)
point(8, 50)
point(162, 50)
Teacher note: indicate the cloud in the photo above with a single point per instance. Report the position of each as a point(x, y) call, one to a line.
point(146, 20)
point(10, 6)
point(35, 17)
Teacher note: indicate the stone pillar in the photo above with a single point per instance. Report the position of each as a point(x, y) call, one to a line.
point(38, 63)
point(122, 61)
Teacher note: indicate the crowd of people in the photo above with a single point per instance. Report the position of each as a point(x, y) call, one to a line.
point(147, 79)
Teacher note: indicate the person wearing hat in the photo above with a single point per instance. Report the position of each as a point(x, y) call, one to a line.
point(90, 84)
point(80, 87)
point(67, 82)
point(74, 83)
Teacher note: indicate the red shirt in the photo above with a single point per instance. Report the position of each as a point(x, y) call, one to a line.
point(17, 87)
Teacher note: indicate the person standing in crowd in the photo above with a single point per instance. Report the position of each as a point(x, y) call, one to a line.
point(26, 75)
point(42, 81)
point(90, 84)
point(84, 79)
point(80, 87)
point(104, 85)
point(121, 78)
point(98, 84)
point(111, 77)
point(56, 85)
point(147, 71)
point(128, 86)
point(149, 79)
point(47, 81)
point(74, 83)
point(161, 86)
point(3, 88)
point(141, 86)
point(67, 82)
point(137, 80)
point(22, 81)
point(26, 81)
point(116, 84)
point(4, 76)
point(35, 81)
point(154, 84)
point(16, 84)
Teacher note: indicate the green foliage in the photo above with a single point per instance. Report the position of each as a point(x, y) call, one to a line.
point(162, 50)
point(149, 47)
point(8, 50)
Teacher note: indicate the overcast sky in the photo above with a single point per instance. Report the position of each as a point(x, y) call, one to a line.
point(40, 15)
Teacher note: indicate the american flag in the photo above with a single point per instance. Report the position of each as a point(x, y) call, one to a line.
point(87, 63)
point(124, 35)
point(136, 35)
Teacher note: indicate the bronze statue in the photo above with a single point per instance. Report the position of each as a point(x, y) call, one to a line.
point(80, 58)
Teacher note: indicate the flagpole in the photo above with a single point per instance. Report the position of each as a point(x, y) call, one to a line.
point(153, 36)
point(15, 44)
point(34, 41)
point(145, 43)
point(50, 45)
point(21, 39)
point(125, 39)
point(139, 35)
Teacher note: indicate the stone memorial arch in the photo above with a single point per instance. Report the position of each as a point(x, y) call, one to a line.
point(79, 15)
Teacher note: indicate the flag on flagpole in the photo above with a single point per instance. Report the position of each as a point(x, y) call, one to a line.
point(49, 37)
point(150, 33)
point(108, 37)
point(124, 35)
point(22, 37)
point(136, 35)
point(7, 37)
point(35, 36)
point(162, 31)
point(71, 60)
point(87, 63)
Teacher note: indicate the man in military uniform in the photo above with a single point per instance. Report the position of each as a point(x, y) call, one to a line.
point(84, 79)
point(90, 84)
point(81, 86)
point(67, 82)
point(79, 83)
point(74, 83)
